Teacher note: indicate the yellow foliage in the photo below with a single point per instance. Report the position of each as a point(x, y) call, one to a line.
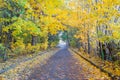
point(32, 49)
point(116, 35)
point(18, 47)
point(43, 46)
point(53, 44)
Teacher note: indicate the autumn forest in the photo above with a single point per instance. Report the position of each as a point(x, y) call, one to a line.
point(31, 31)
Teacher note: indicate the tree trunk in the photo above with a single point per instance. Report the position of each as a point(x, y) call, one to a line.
point(0, 33)
point(101, 50)
point(33, 42)
point(5, 55)
point(68, 40)
point(88, 39)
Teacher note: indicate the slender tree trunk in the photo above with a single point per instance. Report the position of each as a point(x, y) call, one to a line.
point(0, 33)
point(33, 42)
point(68, 41)
point(5, 55)
point(88, 38)
point(100, 50)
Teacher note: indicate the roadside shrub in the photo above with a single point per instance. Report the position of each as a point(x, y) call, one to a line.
point(18, 47)
point(32, 49)
point(53, 44)
point(43, 46)
point(73, 43)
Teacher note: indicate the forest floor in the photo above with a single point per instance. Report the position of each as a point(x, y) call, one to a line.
point(56, 64)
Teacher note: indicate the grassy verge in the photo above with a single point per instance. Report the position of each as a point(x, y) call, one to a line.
point(90, 71)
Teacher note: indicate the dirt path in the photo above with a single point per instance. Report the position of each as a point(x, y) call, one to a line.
point(61, 66)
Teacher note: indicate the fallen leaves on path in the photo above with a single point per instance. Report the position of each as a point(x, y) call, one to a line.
point(109, 66)
point(23, 70)
point(92, 73)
